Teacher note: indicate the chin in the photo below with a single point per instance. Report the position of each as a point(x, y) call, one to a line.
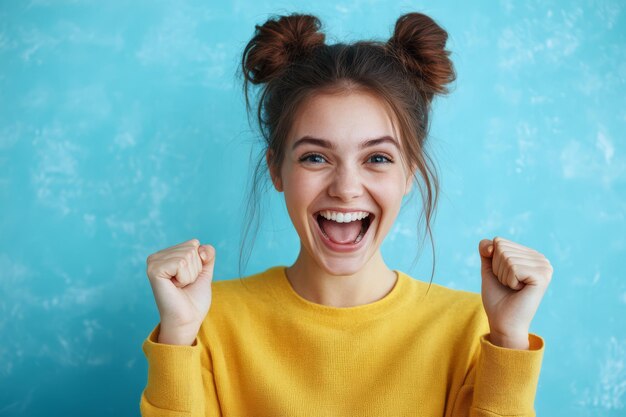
point(342, 267)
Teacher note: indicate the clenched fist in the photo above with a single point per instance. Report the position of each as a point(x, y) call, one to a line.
point(181, 277)
point(514, 280)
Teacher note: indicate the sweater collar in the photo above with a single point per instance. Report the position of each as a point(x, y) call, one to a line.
point(338, 315)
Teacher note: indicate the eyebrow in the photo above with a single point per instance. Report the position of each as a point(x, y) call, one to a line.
point(327, 144)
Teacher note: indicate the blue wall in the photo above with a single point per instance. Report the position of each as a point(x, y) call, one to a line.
point(123, 131)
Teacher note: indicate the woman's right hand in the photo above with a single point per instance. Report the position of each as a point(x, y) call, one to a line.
point(181, 277)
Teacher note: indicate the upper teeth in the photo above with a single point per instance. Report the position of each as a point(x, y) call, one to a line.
point(343, 217)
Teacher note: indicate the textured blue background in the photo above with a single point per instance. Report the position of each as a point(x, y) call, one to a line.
point(123, 131)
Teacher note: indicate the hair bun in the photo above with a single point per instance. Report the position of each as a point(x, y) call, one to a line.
point(280, 41)
point(418, 43)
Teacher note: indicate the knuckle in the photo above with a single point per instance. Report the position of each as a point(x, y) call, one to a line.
point(182, 277)
point(512, 277)
point(190, 258)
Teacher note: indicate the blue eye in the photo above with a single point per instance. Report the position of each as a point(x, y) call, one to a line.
point(307, 158)
point(387, 160)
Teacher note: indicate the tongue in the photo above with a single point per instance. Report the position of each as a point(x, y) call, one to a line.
point(341, 232)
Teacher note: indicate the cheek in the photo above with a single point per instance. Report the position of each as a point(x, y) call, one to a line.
point(299, 192)
point(294, 177)
point(388, 191)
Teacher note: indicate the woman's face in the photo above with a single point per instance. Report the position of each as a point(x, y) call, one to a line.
point(327, 167)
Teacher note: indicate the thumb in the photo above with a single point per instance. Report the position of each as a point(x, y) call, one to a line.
point(200, 290)
point(207, 254)
point(485, 249)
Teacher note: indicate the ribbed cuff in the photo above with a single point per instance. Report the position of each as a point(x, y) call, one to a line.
point(174, 373)
point(506, 379)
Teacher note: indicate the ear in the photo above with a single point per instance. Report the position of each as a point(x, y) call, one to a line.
point(276, 180)
point(409, 185)
point(409, 182)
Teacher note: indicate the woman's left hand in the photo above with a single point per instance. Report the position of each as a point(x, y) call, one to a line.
point(514, 280)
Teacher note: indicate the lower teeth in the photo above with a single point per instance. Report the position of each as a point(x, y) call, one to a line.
point(361, 234)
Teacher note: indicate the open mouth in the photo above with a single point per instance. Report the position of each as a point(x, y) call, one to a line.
point(365, 224)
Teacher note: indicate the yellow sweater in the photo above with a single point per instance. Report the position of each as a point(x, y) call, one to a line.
point(263, 350)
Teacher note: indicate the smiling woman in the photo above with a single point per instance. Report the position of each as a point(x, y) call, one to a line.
point(342, 176)
point(339, 332)
point(310, 97)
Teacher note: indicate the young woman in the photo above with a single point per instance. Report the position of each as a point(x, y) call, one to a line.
point(340, 333)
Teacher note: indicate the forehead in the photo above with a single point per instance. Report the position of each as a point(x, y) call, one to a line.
point(345, 119)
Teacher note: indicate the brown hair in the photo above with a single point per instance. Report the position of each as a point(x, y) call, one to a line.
point(288, 55)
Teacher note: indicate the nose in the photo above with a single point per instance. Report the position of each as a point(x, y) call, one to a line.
point(346, 183)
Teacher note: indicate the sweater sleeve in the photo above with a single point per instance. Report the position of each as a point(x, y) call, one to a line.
point(180, 380)
point(502, 382)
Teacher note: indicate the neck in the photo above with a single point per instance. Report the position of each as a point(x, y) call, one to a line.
point(312, 282)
